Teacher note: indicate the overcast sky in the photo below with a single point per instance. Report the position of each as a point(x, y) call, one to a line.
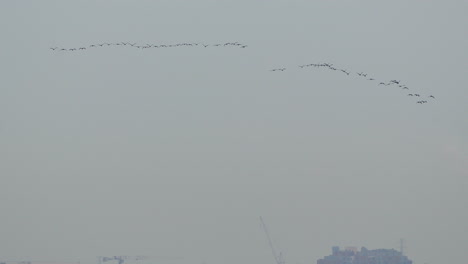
point(175, 153)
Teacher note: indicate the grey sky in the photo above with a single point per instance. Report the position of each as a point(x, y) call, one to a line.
point(177, 152)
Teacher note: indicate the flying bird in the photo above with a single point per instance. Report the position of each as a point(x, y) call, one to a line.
point(345, 72)
point(279, 69)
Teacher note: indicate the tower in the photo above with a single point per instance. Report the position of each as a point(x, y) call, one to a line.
point(402, 246)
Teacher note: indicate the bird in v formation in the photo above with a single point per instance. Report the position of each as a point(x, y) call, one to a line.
point(330, 66)
point(149, 45)
point(240, 45)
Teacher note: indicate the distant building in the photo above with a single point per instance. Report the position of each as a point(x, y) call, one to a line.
point(352, 256)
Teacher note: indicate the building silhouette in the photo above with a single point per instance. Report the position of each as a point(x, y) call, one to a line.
point(351, 255)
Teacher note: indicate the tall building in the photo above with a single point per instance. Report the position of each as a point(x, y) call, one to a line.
point(351, 255)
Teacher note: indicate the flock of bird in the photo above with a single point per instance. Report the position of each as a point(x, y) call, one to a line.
point(329, 66)
point(366, 76)
point(148, 46)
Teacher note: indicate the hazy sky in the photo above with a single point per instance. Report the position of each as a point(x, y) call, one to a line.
point(177, 152)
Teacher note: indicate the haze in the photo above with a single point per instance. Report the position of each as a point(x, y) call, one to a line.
point(175, 153)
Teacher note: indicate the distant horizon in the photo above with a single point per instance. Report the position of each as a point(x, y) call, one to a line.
point(149, 258)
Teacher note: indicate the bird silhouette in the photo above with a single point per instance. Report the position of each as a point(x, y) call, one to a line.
point(278, 69)
point(362, 74)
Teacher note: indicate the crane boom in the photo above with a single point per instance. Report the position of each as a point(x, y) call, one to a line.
point(278, 258)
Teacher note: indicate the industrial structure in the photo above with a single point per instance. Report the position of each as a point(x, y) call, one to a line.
point(121, 259)
point(278, 257)
point(351, 255)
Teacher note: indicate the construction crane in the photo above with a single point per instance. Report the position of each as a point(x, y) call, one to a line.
point(131, 259)
point(278, 258)
point(121, 259)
